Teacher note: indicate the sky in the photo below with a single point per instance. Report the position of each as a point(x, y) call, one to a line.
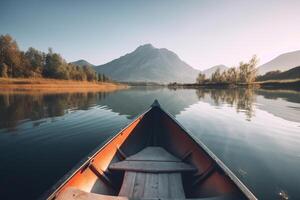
point(202, 33)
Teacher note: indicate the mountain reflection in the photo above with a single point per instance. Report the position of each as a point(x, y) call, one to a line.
point(18, 107)
point(136, 100)
point(241, 98)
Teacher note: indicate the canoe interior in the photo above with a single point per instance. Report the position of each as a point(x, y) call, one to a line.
point(154, 128)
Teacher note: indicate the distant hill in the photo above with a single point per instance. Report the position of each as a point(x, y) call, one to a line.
point(82, 63)
point(208, 72)
point(293, 73)
point(282, 63)
point(149, 64)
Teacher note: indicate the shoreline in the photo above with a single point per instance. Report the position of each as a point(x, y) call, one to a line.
point(272, 84)
point(42, 85)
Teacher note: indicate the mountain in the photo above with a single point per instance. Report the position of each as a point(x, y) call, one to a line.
point(293, 73)
point(149, 64)
point(208, 72)
point(82, 63)
point(283, 62)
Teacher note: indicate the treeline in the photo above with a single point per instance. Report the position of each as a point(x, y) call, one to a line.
point(245, 73)
point(34, 63)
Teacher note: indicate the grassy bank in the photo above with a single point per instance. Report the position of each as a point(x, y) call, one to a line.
point(55, 86)
point(293, 84)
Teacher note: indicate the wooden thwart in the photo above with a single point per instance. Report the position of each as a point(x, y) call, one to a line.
point(151, 166)
point(152, 159)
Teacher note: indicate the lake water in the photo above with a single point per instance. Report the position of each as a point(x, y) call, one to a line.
point(255, 133)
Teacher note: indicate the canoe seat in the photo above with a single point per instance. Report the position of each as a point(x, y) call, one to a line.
point(152, 159)
point(152, 173)
point(151, 166)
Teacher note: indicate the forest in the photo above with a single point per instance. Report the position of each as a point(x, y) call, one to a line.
point(33, 63)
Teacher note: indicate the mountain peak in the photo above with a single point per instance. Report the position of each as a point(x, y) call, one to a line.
point(82, 63)
point(146, 46)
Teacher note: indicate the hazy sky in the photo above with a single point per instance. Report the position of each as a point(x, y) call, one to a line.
point(202, 33)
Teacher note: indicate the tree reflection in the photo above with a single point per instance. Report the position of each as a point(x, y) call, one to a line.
point(17, 107)
point(240, 98)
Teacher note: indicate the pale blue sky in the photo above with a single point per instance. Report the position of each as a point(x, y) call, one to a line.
point(202, 33)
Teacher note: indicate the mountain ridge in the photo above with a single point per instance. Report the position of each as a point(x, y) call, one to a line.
point(282, 62)
point(149, 64)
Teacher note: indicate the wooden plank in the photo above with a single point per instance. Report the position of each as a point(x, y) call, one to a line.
point(163, 185)
point(175, 186)
point(139, 185)
point(151, 186)
point(153, 154)
point(151, 166)
point(76, 194)
point(128, 184)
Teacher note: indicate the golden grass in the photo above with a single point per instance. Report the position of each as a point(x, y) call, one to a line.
point(279, 81)
point(54, 85)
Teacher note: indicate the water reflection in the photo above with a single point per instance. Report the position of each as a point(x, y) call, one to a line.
point(241, 98)
point(288, 95)
point(133, 102)
point(281, 103)
point(17, 107)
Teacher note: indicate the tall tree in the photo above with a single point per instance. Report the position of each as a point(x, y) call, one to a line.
point(200, 78)
point(10, 55)
point(248, 71)
point(216, 76)
point(37, 61)
point(55, 66)
point(232, 75)
point(90, 73)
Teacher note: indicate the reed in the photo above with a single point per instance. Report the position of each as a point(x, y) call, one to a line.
point(56, 86)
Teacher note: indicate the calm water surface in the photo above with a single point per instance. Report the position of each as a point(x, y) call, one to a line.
point(255, 133)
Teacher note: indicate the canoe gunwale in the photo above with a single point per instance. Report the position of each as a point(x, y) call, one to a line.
point(226, 170)
point(83, 163)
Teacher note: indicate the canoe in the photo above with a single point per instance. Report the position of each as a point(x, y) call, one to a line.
point(154, 157)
